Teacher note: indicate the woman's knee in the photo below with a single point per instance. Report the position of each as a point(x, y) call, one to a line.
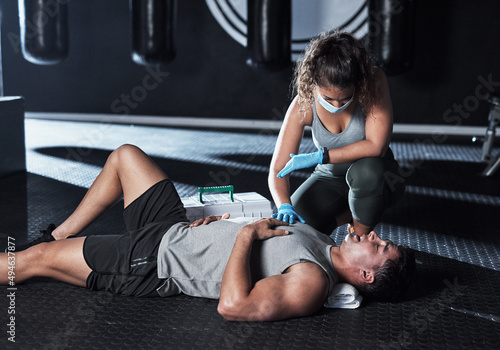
point(366, 175)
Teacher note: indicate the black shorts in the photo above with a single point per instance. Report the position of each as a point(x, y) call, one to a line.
point(127, 263)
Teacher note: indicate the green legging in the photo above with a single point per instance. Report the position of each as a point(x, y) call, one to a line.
point(365, 187)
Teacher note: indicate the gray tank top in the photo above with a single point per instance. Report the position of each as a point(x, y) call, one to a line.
point(354, 132)
point(192, 259)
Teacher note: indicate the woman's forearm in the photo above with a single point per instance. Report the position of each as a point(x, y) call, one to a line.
point(279, 188)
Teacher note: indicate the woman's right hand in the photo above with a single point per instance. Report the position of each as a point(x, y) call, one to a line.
point(287, 213)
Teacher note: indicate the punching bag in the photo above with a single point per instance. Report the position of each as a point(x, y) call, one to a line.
point(391, 34)
point(153, 25)
point(44, 30)
point(269, 33)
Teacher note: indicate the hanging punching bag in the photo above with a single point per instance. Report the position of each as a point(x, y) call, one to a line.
point(44, 30)
point(391, 34)
point(153, 25)
point(269, 33)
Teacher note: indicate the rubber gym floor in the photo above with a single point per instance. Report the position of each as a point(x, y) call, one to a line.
point(449, 216)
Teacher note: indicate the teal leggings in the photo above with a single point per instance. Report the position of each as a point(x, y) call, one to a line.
point(365, 188)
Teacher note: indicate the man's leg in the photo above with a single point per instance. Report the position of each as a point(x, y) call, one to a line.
point(62, 260)
point(128, 172)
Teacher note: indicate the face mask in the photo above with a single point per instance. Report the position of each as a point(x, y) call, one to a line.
point(331, 108)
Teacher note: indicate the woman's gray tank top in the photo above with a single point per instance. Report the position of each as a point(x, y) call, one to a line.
point(354, 132)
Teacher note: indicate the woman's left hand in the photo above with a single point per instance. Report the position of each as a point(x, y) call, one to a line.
point(301, 161)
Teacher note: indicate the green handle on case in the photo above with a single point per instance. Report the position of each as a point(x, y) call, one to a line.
point(215, 189)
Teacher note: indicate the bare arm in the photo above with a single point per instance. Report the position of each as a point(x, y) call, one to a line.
point(379, 122)
point(299, 292)
point(288, 142)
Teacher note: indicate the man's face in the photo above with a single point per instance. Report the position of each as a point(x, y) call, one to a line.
point(368, 251)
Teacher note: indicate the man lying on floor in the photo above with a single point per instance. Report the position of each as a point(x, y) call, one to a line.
point(260, 270)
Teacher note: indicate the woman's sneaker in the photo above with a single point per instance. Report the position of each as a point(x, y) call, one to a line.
point(45, 237)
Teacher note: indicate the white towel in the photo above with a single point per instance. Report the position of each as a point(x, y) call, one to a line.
point(344, 296)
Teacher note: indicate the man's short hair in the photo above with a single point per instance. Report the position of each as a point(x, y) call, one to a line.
point(392, 279)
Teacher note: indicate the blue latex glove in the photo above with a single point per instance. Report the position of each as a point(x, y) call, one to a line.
point(286, 212)
point(301, 161)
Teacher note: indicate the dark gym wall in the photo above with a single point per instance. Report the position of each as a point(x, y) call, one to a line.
point(456, 44)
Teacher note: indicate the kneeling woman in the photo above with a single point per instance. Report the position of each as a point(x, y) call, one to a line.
point(345, 99)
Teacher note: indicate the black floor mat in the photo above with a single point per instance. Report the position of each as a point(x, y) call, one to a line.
point(449, 215)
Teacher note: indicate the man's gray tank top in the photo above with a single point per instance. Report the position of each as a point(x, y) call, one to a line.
point(354, 132)
point(192, 259)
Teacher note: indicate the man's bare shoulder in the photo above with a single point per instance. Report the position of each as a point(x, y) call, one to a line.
point(310, 273)
point(309, 284)
point(308, 268)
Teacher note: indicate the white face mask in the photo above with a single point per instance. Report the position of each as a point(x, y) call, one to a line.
point(331, 108)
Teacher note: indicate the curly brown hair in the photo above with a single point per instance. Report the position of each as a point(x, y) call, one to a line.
point(336, 59)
